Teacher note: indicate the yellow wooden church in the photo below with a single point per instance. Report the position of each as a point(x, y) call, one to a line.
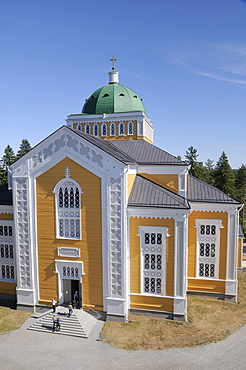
point(97, 208)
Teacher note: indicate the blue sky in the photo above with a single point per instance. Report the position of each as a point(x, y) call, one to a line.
point(186, 59)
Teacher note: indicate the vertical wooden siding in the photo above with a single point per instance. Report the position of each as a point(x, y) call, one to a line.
point(169, 182)
point(135, 254)
point(192, 239)
point(240, 252)
point(7, 288)
point(91, 244)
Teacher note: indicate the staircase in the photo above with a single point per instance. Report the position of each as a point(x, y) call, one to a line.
point(79, 324)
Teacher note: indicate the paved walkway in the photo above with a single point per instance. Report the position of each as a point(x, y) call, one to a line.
point(25, 349)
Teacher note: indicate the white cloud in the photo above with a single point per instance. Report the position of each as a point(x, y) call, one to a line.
point(225, 61)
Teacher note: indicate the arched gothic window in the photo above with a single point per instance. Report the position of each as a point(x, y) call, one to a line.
point(87, 128)
point(68, 220)
point(104, 129)
point(95, 129)
point(121, 129)
point(130, 128)
point(79, 127)
point(112, 129)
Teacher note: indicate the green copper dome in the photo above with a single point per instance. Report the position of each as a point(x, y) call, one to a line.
point(113, 98)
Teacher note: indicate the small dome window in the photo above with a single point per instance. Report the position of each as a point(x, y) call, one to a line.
point(135, 96)
point(122, 94)
point(104, 129)
point(121, 128)
point(95, 129)
point(105, 95)
point(87, 128)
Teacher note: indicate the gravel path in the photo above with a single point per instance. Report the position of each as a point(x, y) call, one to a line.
point(25, 349)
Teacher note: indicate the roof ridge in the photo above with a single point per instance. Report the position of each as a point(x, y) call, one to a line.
point(105, 142)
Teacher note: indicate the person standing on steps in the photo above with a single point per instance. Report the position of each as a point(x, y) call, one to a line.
point(53, 303)
point(76, 299)
point(70, 309)
point(54, 322)
point(58, 323)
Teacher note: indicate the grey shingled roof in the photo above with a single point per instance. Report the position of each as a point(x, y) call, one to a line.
point(5, 196)
point(106, 146)
point(200, 191)
point(146, 193)
point(144, 153)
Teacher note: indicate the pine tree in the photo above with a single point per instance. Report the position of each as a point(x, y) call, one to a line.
point(241, 191)
point(209, 176)
point(196, 169)
point(224, 177)
point(7, 159)
point(24, 148)
point(191, 159)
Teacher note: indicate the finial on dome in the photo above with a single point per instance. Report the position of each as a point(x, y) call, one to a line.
point(113, 59)
point(113, 75)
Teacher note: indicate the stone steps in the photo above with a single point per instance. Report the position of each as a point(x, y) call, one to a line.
point(79, 324)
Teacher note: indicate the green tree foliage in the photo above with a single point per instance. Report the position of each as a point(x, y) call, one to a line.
point(224, 177)
point(191, 159)
point(241, 191)
point(7, 159)
point(24, 148)
point(209, 174)
point(196, 169)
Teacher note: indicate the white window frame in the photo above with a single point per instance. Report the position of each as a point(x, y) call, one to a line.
point(121, 124)
point(69, 210)
point(142, 230)
point(130, 124)
point(87, 128)
point(7, 240)
point(96, 130)
point(112, 125)
point(102, 127)
point(210, 240)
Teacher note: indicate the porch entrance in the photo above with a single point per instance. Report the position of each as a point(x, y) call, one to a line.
point(69, 288)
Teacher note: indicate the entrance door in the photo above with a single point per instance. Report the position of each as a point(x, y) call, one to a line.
point(69, 288)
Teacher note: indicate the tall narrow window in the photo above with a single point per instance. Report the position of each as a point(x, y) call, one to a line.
point(153, 243)
point(112, 129)
point(121, 129)
point(130, 128)
point(95, 128)
point(79, 127)
point(208, 242)
point(7, 251)
point(68, 205)
point(104, 129)
point(87, 128)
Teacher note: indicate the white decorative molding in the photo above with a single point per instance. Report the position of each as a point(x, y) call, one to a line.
point(115, 237)
point(68, 252)
point(22, 232)
point(73, 144)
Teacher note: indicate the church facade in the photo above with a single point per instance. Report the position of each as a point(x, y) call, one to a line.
point(97, 208)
